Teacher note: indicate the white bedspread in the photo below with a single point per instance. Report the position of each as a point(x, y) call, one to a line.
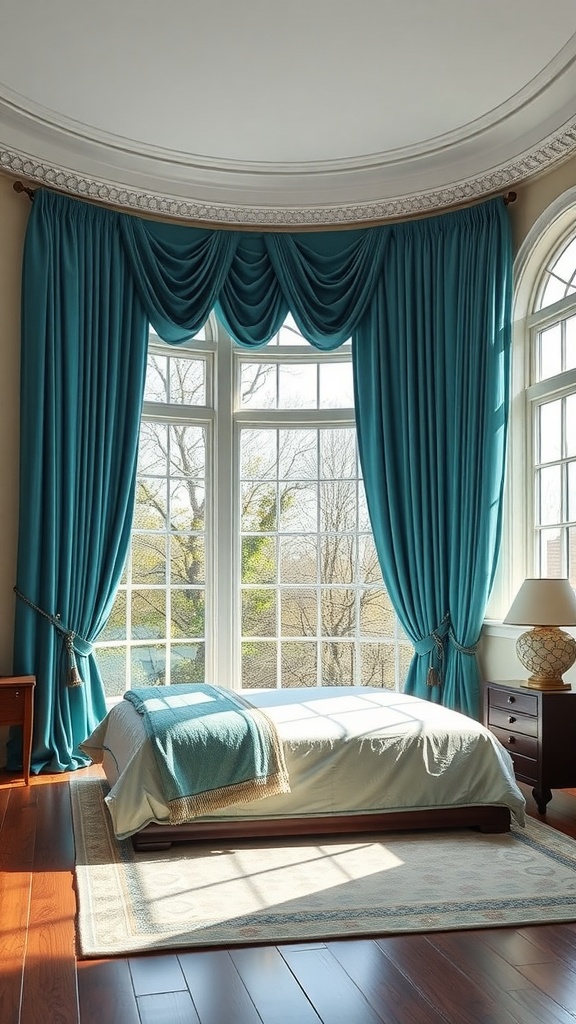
point(348, 750)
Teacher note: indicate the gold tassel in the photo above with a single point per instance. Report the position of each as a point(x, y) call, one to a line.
point(432, 678)
point(74, 677)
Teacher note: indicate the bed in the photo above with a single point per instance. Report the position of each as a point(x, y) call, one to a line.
point(357, 758)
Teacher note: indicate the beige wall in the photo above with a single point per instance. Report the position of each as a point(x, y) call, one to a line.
point(496, 656)
point(14, 210)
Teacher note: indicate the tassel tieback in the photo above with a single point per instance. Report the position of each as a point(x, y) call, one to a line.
point(73, 643)
point(434, 644)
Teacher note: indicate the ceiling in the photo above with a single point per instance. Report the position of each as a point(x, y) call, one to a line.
point(276, 112)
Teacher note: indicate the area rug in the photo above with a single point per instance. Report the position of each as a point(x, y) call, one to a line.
point(295, 890)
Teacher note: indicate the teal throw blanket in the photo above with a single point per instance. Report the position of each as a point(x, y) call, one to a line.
point(212, 747)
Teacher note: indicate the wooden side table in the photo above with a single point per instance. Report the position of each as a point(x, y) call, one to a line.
point(17, 708)
point(538, 728)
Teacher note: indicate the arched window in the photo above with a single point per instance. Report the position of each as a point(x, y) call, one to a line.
point(540, 533)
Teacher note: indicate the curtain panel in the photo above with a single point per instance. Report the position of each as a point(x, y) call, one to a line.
point(427, 305)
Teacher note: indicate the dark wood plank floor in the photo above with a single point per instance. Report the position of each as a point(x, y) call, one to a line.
point(486, 976)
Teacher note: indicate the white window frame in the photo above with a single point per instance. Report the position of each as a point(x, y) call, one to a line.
point(550, 232)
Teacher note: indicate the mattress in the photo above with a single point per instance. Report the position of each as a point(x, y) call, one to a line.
point(348, 750)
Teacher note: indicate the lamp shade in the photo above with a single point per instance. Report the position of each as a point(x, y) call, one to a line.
point(543, 602)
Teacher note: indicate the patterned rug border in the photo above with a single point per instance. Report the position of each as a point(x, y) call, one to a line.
point(113, 918)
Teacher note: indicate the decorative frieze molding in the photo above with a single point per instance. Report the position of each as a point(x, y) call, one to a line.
point(556, 148)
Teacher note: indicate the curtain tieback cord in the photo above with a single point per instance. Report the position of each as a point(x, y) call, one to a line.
point(434, 642)
point(73, 643)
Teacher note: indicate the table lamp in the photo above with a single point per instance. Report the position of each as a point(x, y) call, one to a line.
point(545, 651)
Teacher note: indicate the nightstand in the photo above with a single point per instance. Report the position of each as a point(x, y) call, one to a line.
point(17, 708)
point(538, 729)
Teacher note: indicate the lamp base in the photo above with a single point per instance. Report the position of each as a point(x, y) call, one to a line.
point(547, 652)
point(534, 683)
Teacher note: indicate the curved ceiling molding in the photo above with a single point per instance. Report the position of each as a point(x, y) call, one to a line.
point(475, 113)
point(558, 147)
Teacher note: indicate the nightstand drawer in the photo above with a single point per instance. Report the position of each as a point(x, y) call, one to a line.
point(12, 705)
point(516, 742)
point(511, 720)
point(524, 703)
point(525, 768)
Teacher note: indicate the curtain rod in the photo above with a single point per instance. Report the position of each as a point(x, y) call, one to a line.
point(19, 186)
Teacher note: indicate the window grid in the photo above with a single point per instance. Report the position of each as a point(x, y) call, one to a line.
point(551, 398)
point(144, 642)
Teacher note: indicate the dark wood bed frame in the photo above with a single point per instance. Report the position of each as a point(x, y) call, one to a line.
point(485, 818)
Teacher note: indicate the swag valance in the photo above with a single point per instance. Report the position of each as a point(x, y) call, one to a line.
point(427, 306)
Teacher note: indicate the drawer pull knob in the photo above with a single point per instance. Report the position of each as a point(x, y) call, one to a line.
point(511, 719)
point(16, 693)
point(511, 739)
point(511, 700)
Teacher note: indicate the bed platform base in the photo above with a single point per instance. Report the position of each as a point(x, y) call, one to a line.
point(161, 837)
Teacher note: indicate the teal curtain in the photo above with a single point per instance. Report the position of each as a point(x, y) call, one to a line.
point(428, 307)
point(431, 378)
point(84, 343)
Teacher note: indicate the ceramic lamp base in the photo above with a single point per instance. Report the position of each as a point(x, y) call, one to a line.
point(546, 652)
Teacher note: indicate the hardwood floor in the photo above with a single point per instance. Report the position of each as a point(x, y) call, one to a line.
point(497, 976)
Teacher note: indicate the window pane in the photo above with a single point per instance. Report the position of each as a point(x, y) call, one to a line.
point(298, 663)
point(187, 558)
point(298, 454)
point(112, 668)
point(298, 559)
point(552, 561)
point(337, 559)
point(289, 333)
point(149, 559)
point(148, 614)
point(553, 292)
point(570, 343)
point(187, 381)
point(368, 564)
point(187, 663)
point(258, 665)
point(156, 387)
point(550, 348)
point(259, 612)
point(572, 555)
point(338, 611)
point(258, 386)
point(259, 509)
point(298, 612)
point(564, 265)
point(336, 387)
point(550, 432)
point(115, 628)
point(338, 508)
point(298, 508)
point(187, 505)
point(298, 386)
point(378, 665)
point(148, 665)
point(187, 612)
point(337, 664)
point(549, 484)
point(571, 470)
point(258, 456)
point(258, 560)
point(570, 432)
point(376, 615)
point(151, 508)
point(152, 453)
point(187, 451)
point(338, 454)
